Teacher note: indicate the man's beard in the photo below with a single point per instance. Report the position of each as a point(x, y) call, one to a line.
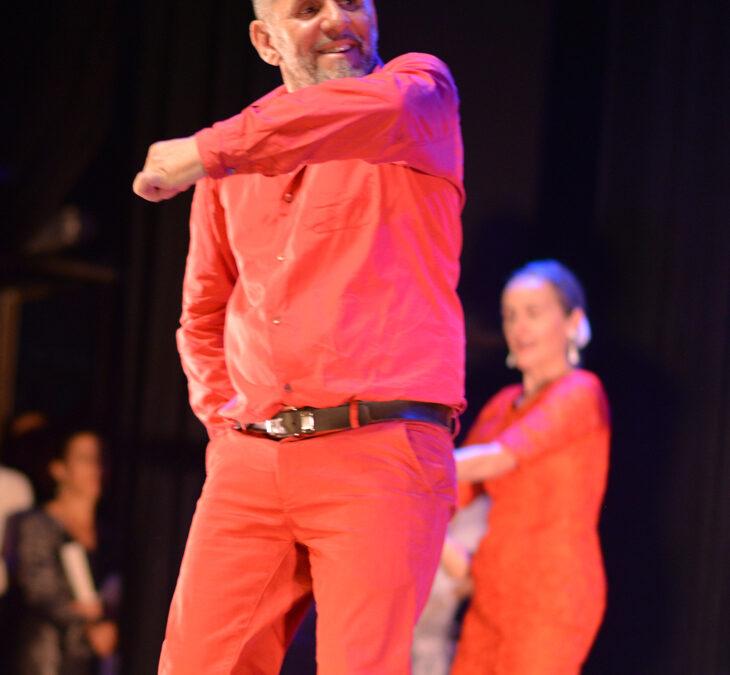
point(343, 68)
point(313, 74)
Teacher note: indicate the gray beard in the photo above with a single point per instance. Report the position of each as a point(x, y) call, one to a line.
point(343, 69)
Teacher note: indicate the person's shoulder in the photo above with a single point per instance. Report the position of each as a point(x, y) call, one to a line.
point(508, 393)
point(582, 389)
point(584, 380)
point(34, 530)
point(16, 491)
point(35, 516)
point(31, 524)
point(503, 398)
point(14, 480)
point(417, 60)
point(492, 414)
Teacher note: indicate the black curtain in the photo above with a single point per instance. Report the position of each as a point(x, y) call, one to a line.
point(61, 64)
point(662, 217)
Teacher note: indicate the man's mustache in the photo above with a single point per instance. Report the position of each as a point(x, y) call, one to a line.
point(344, 36)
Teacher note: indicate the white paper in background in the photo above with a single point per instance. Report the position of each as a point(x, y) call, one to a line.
point(76, 566)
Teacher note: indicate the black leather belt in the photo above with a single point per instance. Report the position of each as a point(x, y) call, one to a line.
point(309, 421)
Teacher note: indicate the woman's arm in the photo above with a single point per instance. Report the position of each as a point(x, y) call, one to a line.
point(39, 575)
point(572, 407)
point(482, 461)
point(406, 112)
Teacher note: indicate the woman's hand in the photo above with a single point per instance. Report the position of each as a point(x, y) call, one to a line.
point(102, 637)
point(91, 610)
point(483, 461)
point(455, 560)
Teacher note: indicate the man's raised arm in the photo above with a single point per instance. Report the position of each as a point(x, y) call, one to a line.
point(405, 112)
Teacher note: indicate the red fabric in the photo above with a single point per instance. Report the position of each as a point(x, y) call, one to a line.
point(357, 516)
point(539, 582)
point(326, 240)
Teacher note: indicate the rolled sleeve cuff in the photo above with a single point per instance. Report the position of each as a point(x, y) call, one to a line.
point(210, 142)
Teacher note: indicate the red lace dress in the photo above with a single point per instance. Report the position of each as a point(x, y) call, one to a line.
point(539, 591)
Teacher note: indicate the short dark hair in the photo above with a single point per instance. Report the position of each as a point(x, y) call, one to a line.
point(55, 448)
point(566, 284)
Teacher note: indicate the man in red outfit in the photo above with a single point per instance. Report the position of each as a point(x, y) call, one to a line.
point(323, 343)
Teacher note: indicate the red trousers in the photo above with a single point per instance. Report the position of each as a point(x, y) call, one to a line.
point(356, 518)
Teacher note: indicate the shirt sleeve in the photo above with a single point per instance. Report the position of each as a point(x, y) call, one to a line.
point(572, 408)
point(210, 275)
point(481, 431)
point(407, 111)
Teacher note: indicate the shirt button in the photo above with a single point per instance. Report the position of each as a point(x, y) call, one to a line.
point(288, 197)
point(287, 387)
point(276, 320)
point(280, 258)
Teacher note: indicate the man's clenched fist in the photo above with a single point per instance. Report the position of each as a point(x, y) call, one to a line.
point(170, 168)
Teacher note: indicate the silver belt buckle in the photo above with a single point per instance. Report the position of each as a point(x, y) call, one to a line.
point(275, 427)
point(302, 422)
point(306, 421)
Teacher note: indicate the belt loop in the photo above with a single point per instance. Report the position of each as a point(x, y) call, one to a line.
point(455, 424)
point(354, 414)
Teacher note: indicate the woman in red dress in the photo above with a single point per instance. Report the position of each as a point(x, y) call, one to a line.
point(540, 450)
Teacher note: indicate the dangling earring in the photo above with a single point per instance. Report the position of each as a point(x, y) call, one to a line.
point(573, 353)
point(511, 360)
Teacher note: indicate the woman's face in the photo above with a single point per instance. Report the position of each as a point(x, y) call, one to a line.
point(80, 471)
point(535, 326)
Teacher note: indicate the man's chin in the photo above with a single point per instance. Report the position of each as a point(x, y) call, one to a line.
point(338, 73)
point(343, 68)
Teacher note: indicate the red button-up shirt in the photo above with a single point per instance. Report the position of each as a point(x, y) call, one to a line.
point(324, 249)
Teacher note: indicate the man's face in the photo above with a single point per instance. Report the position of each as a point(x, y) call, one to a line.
point(316, 40)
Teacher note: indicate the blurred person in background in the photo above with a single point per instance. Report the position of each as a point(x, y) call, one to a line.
point(434, 638)
point(539, 449)
point(57, 633)
point(16, 495)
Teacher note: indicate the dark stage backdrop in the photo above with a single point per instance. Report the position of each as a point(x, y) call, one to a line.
point(596, 133)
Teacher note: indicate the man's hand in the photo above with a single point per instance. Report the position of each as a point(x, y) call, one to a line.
point(170, 168)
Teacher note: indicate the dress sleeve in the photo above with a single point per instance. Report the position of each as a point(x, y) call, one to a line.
point(39, 574)
point(482, 430)
point(210, 275)
point(405, 112)
point(572, 407)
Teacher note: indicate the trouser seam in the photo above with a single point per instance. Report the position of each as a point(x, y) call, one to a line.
point(256, 606)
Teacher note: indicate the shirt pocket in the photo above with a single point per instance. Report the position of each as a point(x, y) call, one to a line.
point(351, 207)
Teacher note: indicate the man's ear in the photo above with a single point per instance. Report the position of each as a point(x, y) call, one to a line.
point(261, 40)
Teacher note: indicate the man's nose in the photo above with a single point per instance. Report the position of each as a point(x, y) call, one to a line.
point(334, 18)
